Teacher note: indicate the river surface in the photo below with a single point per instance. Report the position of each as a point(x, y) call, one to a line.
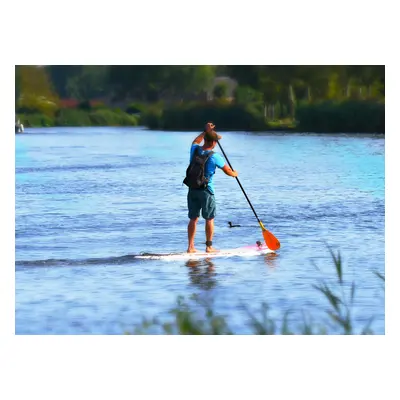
point(89, 199)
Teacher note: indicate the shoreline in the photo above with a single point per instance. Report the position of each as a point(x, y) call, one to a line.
point(268, 132)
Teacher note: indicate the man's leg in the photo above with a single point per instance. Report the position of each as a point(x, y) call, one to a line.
point(209, 235)
point(191, 234)
point(194, 207)
point(208, 213)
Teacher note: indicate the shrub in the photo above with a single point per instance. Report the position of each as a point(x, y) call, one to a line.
point(135, 108)
point(112, 118)
point(84, 105)
point(72, 117)
point(350, 116)
point(36, 120)
point(220, 90)
point(193, 116)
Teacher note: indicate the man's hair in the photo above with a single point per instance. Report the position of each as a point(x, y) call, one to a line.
point(210, 137)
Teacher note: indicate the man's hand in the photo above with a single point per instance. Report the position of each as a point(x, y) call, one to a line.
point(199, 138)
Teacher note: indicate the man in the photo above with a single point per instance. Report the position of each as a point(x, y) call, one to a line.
point(204, 199)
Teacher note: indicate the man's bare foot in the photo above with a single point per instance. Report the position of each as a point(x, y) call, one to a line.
point(192, 250)
point(211, 250)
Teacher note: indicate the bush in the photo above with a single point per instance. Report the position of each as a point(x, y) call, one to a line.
point(72, 117)
point(84, 105)
point(246, 94)
point(220, 90)
point(193, 116)
point(112, 118)
point(36, 105)
point(99, 106)
point(35, 120)
point(152, 117)
point(135, 108)
point(350, 116)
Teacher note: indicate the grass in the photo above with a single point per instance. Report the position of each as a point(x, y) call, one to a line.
point(196, 316)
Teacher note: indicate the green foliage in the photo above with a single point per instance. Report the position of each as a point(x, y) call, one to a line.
point(226, 116)
point(79, 117)
point(344, 98)
point(347, 116)
point(35, 120)
point(154, 82)
point(96, 117)
point(220, 90)
point(81, 82)
point(112, 118)
point(135, 108)
point(72, 117)
point(84, 105)
point(246, 95)
point(99, 106)
point(152, 117)
point(196, 316)
point(34, 91)
point(61, 74)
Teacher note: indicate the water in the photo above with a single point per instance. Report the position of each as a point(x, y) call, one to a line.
point(89, 199)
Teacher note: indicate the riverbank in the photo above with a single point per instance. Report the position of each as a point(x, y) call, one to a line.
point(351, 116)
point(76, 117)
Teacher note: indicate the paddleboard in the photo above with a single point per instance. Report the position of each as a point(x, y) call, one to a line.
point(248, 251)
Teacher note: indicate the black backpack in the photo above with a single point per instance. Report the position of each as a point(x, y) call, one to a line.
point(195, 178)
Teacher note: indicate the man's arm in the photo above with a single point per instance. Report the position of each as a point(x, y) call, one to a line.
point(228, 171)
point(199, 138)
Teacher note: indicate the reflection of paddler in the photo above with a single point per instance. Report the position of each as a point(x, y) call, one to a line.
point(198, 276)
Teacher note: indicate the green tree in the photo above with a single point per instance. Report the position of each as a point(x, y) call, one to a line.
point(220, 90)
point(155, 82)
point(60, 75)
point(34, 90)
point(90, 83)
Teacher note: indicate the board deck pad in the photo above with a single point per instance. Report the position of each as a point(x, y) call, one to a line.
point(248, 251)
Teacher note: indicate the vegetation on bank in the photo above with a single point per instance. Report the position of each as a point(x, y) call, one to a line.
point(255, 98)
point(198, 317)
point(83, 115)
point(346, 116)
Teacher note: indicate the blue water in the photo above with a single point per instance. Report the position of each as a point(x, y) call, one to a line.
point(89, 199)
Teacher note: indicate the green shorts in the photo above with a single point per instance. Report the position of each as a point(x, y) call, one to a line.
point(200, 199)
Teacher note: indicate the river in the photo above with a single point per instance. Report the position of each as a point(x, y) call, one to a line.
point(89, 199)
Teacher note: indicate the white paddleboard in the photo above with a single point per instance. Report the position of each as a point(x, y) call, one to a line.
point(249, 251)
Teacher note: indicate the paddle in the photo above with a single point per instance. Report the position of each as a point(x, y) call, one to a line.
point(270, 240)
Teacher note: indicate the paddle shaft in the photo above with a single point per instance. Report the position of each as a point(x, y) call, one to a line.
point(241, 187)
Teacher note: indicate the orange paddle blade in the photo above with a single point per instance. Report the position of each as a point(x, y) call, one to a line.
point(270, 240)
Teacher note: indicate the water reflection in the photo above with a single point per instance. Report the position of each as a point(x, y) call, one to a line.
point(202, 273)
point(271, 259)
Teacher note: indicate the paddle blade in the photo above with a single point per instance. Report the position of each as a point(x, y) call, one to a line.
point(270, 240)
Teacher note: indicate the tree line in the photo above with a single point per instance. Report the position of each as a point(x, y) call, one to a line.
point(270, 92)
point(287, 83)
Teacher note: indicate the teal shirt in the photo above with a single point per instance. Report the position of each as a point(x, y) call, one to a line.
point(213, 162)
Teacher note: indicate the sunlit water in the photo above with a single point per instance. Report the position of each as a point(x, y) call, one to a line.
point(89, 199)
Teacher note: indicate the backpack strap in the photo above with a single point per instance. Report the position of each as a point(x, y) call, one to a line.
point(208, 155)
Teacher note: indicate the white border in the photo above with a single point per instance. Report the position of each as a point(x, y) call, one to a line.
point(181, 32)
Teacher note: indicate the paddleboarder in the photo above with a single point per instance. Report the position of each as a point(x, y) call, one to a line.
point(199, 179)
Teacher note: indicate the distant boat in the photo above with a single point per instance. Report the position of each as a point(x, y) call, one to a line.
point(19, 128)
